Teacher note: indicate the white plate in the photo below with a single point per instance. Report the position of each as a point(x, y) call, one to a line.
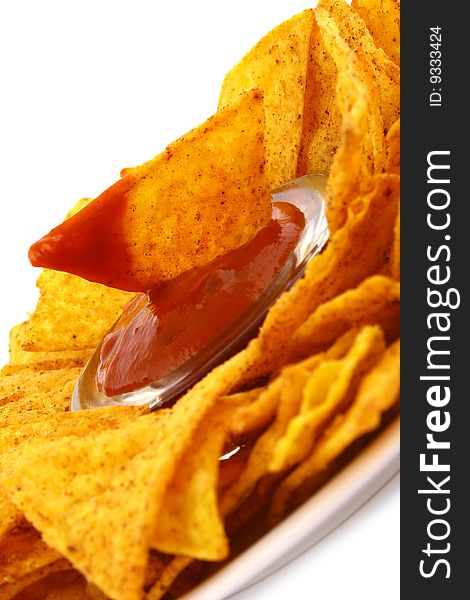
point(358, 481)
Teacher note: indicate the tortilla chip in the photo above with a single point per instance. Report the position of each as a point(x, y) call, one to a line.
point(327, 393)
point(278, 66)
point(23, 551)
point(171, 572)
point(351, 122)
point(259, 413)
point(34, 585)
point(76, 491)
point(292, 382)
point(322, 119)
point(10, 516)
point(255, 414)
point(71, 314)
point(204, 195)
point(26, 381)
point(189, 522)
point(16, 408)
point(386, 74)
point(353, 163)
point(55, 582)
point(58, 425)
point(375, 300)
point(77, 207)
point(377, 393)
point(281, 399)
point(382, 18)
point(42, 360)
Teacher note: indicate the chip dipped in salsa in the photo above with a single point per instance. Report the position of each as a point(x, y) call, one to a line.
point(161, 330)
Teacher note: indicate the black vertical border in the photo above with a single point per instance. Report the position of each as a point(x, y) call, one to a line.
point(426, 128)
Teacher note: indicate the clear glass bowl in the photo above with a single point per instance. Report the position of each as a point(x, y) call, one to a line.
point(306, 193)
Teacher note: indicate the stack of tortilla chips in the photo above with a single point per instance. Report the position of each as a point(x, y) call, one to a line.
point(126, 504)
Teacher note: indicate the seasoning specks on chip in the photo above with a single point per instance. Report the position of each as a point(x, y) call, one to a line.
point(122, 504)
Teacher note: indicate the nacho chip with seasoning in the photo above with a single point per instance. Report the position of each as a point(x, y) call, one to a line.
point(375, 300)
point(284, 405)
point(382, 18)
point(10, 516)
point(378, 392)
point(353, 163)
point(63, 424)
point(26, 381)
point(385, 88)
point(277, 65)
point(327, 393)
point(52, 482)
point(15, 409)
point(345, 126)
point(189, 522)
point(57, 581)
point(71, 314)
point(36, 584)
point(23, 551)
point(42, 360)
point(322, 118)
point(204, 195)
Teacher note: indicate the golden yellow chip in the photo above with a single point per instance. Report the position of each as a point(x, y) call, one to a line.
point(278, 66)
point(123, 471)
point(258, 413)
point(189, 522)
point(385, 73)
point(382, 18)
point(292, 382)
point(27, 381)
point(375, 300)
point(23, 551)
point(322, 119)
point(53, 427)
point(15, 409)
point(353, 163)
point(10, 516)
point(328, 392)
point(203, 196)
point(77, 207)
point(34, 585)
point(377, 393)
point(42, 360)
point(354, 126)
point(61, 424)
point(171, 572)
point(71, 314)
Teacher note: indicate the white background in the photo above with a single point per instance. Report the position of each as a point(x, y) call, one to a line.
point(87, 88)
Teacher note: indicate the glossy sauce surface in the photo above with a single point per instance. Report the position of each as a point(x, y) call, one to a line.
point(161, 330)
